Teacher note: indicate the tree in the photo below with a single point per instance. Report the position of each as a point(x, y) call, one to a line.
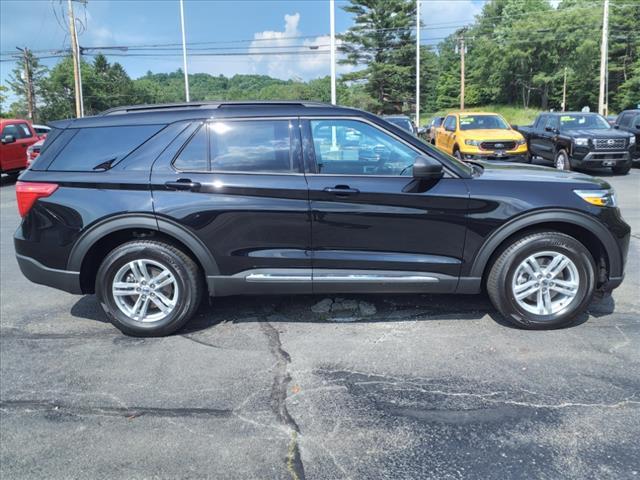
point(382, 38)
point(19, 83)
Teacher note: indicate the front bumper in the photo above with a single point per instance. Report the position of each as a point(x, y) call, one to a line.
point(51, 277)
point(600, 158)
point(506, 157)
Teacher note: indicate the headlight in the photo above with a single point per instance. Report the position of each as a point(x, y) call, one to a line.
point(581, 142)
point(632, 140)
point(599, 198)
point(475, 143)
point(521, 142)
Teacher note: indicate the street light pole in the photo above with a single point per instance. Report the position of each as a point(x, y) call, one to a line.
point(604, 55)
point(417, 63)
point(184, 52)
point(332, 24)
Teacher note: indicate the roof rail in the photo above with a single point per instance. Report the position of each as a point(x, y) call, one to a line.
point(207, 104)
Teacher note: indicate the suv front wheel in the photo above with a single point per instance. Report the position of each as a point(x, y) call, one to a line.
point(148, 288)
point(542, 280)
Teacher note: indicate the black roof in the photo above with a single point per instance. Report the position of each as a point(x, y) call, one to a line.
point(570, 113)
point(172, 112)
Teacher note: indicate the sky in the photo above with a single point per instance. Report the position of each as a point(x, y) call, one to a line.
point(239, 26)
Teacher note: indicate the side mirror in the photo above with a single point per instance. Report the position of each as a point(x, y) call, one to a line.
point(427, 168)
point(514, 127)
point(8, 139)
point(617, 127)
point(550, 129)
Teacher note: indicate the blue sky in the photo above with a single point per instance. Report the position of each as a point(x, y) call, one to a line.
point(41, 24)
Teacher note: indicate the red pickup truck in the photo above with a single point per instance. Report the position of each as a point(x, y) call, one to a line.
point(15, 137)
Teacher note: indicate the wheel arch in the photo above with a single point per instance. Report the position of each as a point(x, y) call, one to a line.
point(92, 246)
point(595, 236)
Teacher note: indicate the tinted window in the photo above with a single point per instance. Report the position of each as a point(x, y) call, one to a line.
point(436, 122)
point(482, 122)
point(91, 147)
point(17, 130)
point(349, 147)
point(626, 118)
point(552, 122)
point(403, 123)
point(194, 156)
point(251, 146)
point(574, 121)
point(450, 123)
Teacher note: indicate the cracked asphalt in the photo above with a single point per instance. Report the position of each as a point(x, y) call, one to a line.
point(352, 386)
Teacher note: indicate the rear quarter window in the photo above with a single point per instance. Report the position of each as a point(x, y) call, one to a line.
point(89, 148)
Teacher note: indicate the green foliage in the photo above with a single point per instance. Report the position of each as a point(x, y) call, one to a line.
point(18, 83)
point(382, 39)
point(515, 115)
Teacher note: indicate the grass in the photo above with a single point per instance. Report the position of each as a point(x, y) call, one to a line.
point(512, 114)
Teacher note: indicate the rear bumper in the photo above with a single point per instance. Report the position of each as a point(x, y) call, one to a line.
point(51, 277)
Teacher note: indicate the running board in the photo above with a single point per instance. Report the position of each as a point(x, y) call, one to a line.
point(306, 280)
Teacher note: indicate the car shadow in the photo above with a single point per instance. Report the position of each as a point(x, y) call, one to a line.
point(356, 308)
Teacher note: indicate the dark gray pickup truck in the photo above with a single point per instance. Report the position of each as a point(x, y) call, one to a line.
point(579, 140)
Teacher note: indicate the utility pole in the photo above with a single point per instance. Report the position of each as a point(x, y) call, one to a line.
point(77, 73)
point(564, 91)
point(28, 78)
point(604, 55)
point(332, 25)
point(184, 52)
point(462, 52)
point(417, 63)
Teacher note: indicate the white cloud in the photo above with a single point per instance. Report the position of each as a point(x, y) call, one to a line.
point(314, 62)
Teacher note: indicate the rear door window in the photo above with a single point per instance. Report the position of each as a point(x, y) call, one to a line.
point(92, 147)
point(262, 146)
point(194, 157)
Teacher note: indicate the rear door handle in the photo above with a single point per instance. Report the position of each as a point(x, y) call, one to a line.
point(342, 190)
point(183, 184)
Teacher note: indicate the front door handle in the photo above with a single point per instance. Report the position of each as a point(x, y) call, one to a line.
point(342, 190)
point(183, 184)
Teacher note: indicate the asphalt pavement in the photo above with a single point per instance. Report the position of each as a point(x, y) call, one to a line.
point(316, 387)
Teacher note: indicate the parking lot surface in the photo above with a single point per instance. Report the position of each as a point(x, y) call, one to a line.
point(352, 386)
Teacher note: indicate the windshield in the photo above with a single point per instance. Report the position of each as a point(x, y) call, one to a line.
point(574, 121)
point(485, 122)
point(403, 123)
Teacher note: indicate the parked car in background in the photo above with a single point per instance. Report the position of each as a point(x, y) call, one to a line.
point(403, 122)
point(434, 124)
point(629, 121)
point(481, 136)
point(579, 140)
point(41, 130)
point(611, 119)
point(155, 207)
point(15, 137)
point(33, 151)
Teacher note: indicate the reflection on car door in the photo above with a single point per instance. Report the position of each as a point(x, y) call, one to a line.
point(238, 185)
point(372, 223)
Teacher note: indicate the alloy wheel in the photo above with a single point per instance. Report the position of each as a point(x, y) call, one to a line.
point(545, 283)
point(145, 290)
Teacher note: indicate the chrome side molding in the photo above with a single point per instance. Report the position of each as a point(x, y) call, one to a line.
point(335, 275)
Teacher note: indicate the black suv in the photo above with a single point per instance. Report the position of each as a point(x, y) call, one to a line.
point(579, 140)
point(629, 121)
point(155, 207)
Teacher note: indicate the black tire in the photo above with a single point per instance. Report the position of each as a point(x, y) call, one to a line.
point(184, 269)
point(622, 169)
point(499, 281)
point(561, 161)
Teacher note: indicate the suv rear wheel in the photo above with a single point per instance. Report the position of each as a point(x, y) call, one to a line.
point(543, 280)
point(148, 288)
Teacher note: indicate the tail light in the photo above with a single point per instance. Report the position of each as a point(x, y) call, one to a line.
point(28, 192)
